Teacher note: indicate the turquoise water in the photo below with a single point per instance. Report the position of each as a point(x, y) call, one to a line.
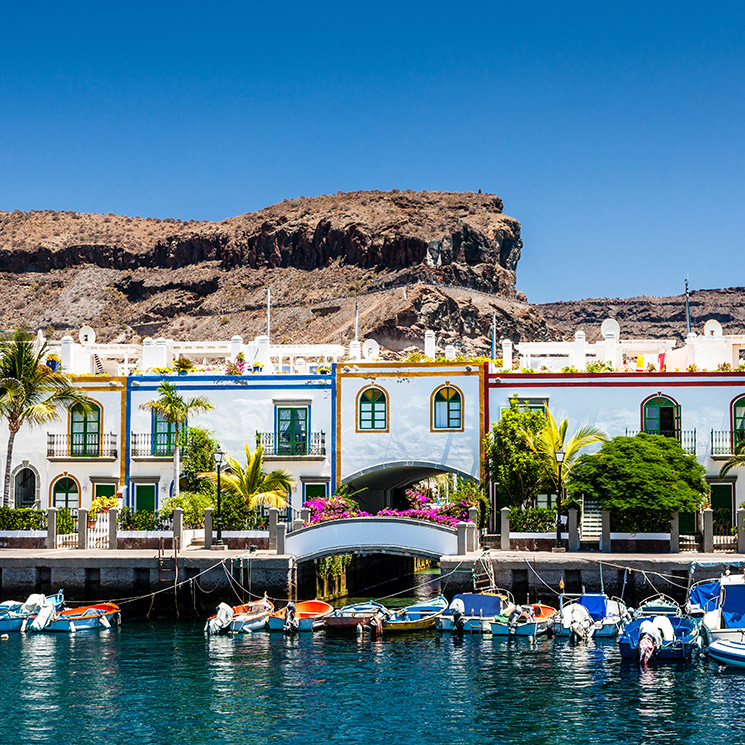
point(165, 682)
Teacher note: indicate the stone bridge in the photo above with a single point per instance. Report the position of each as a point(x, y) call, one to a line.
point(381, 535)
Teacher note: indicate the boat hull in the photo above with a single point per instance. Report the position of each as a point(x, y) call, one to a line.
point(88, 618)
point(728, 653)
point(254, 623)
point(534, 628)
point(468, 625)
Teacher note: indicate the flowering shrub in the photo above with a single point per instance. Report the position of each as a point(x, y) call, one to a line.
point(239, 367)
point(532, 520)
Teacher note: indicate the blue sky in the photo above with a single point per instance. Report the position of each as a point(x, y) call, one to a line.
point(613, 131)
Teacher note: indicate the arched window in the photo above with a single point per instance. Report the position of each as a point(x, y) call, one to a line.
point(661, 416)
point(372, 410)
point(85, 431)
point(447, 408)
point(164, 436)
point(65, 493)
point(738, 420)
point(25, 488)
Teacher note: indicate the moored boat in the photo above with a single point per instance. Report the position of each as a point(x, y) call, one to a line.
point(662, 637)
point(72, 620)
point(15, 616)
point(240, 618)
point(524, 620)
point(416, 617)
point(359, 616)
point(727, 619)
point(658, 605)
point(471, 612)
point(728, 652)
point(589, 614)
point(307, 615)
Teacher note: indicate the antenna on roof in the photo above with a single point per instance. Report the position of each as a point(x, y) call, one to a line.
point(493, 333)
point(268, 311)
point(356, 320)
point(688, 309)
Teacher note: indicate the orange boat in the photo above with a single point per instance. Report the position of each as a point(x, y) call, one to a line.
point(524, 620)
point(305, 616)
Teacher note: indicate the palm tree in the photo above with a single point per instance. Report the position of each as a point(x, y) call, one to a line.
point(738, 459)
point(176, 410)
point(30, 391)
point(252, 484)
point(553, 439)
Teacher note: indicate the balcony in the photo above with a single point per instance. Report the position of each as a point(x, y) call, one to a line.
point(724, 442)
point(686, 438)
point(145, 445)
point(292, 445)
point(81, 447)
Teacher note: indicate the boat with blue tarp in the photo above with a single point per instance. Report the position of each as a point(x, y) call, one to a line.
point(589, 614)
point(664, 637)
point(702, 598)
point(473, 612)
point(726, 621)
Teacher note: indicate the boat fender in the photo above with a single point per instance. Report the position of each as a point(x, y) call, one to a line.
point(71, 626)
point(104, 622)
point(24, 624)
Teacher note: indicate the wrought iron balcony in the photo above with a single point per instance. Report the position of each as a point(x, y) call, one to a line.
point(686, 437)
point(724, 442)
point(146, 445)
point(292, 444)
point(81, 446)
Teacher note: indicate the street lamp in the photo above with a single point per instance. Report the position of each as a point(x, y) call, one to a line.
point(559, 461)
point(218, 455)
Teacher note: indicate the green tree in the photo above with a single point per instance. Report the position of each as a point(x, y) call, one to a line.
point(647, 473)
point(256, 488)
point(176, 410)
point(199, 457)
point(553, 438)
point(514, 468)
point(30, 391)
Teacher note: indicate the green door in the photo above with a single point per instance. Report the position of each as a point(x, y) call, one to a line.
point(738, 414)
point(687, 524)
point(662, 417)
point(145, 497)
point(65, 493)
point(105, 490)
point(292, 431)
point(85, 432)
point(721, 503)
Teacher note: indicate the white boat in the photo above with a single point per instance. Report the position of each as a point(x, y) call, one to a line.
point(248, 617)
point(524, 620)
point(472, 613)
point(727, 620)
point(589, 614)
point(728, 652)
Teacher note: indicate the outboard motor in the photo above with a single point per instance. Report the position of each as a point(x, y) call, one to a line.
point(221, 621)
point(458, 609)
point(291, 620)
point(514, 617)
point(650, 640)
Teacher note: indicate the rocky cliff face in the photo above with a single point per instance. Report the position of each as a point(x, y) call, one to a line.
point(413, 260)
point(650, 317)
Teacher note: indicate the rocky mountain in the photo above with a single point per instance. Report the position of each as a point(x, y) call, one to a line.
point(650, 317)
point(410, 260)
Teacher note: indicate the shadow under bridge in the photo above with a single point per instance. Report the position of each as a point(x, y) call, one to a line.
point(402, 536)
point(384, 486)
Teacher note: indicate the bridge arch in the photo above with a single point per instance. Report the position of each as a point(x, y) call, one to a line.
point(380, 535)
point(381, 481)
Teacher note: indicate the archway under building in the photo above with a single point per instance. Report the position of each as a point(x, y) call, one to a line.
point(384, 486)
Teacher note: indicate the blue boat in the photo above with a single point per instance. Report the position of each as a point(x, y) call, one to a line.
point(416, 617)
point(702, 598)
point(14, 616)
point(473, 612)
point(72, 620)
point(604, 616)
point(726, 619)
point(728, 652)
point(661, 637)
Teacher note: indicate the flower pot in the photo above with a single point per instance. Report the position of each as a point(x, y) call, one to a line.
point(53, 365)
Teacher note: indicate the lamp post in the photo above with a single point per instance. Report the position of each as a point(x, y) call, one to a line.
point(559, 462)
point(219, 455)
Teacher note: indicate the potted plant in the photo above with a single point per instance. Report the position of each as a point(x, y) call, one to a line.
point(258, 366)
point(183, 365)
point(100, 504)
point(53, 362)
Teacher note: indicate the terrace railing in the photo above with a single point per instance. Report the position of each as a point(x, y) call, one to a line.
point(81, 445)
point(292, 444)
point(145, 445)
point(686, 437)
point(724, 442)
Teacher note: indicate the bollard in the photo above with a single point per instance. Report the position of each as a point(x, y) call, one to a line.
point(305, 516)
point(273, 520)
point(573, 527)
point(461, 527)
point(52, 527)
point(83, 528)
point(113, 528)
point(281, 534)
point(741, 531)
point(178, 527)
point(504, 529)
point(708, 546)
point(297, 524)
point(605, 533)
point(470, 536)
point(675, 533)
point(208, 527)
